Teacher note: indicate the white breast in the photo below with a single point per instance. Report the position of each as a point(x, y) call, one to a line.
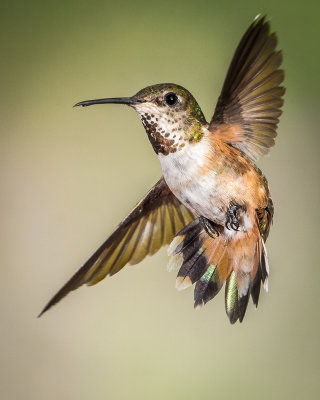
point(200, 193)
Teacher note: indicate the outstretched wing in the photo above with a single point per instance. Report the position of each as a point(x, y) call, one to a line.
point(153, 222)
point(247, 112)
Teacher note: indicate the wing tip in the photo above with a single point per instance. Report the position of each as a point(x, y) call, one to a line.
point(55, 299)
point(259, 19)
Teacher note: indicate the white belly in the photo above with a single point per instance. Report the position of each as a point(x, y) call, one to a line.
point(199, 193)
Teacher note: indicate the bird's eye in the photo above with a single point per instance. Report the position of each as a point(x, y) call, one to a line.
point(171, 99)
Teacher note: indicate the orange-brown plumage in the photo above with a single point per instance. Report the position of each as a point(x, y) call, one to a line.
point(230, 164)
point(230, 133)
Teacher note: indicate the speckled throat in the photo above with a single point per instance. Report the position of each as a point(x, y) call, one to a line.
point(170, 128)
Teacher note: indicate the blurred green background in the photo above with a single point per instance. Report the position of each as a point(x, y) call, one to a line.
point(68, 176)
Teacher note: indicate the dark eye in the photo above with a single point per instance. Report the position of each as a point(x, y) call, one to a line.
point(171, 99)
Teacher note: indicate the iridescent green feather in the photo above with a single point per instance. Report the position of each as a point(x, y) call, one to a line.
point(202, 286)
point(232, 298)
point(208, 274)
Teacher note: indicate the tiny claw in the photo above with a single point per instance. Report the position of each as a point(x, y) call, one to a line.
point(232, 218)
point(209, 233)
point(235, 226)
point(208, 226)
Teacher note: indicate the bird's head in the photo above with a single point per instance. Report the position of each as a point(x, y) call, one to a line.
point(171, 116)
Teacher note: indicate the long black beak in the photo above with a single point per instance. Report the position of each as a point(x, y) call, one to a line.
point(116, 100)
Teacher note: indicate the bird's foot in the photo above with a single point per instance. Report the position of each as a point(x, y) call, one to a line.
point(232, 221)
point(208, 226)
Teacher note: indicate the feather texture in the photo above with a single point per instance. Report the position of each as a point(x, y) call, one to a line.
point(210, 262)
point(150, 225)
point(247, 111)
point(231, 298)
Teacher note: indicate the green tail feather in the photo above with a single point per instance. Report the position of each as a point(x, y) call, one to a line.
point(236, 306)
point(202, 286)
point(231, 298)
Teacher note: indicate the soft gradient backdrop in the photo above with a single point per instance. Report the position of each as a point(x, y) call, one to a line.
point(68, 176)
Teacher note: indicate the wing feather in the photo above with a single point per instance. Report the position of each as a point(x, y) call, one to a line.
point(154, 222)
point(247, 112)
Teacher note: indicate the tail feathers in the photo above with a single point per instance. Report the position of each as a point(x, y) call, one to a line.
point(209, 262)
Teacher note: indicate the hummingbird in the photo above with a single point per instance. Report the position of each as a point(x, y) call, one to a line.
point(212, 205)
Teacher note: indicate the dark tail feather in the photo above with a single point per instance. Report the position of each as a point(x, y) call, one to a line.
point(255, 289)
point(187, 253)
point(261, 275)
point(192, 269)
point(207, 287)
point(243, 303)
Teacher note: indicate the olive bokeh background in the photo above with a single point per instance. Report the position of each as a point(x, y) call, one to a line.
point(68, 176)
